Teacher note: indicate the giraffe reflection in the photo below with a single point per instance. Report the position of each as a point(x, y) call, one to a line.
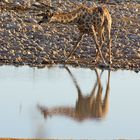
point(87, 107)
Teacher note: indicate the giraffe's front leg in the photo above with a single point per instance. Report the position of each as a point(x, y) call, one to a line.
point(110, 55)
point(75, 47)
point(97, 46)
point(98, 53)
point(109, 40)
point(75, 82)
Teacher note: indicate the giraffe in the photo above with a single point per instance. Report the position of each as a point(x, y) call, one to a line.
point(93, 21)
point(87, 107)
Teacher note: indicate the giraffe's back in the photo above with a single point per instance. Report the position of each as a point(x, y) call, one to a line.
point(88, 18)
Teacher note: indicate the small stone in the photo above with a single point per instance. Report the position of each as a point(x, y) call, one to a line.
point(55, 52)
point(40, 48)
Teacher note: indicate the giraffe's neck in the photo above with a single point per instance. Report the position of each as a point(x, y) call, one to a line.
point(62, 111)
point(70, 17)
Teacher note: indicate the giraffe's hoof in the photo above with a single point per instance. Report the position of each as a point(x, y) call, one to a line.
point(108, 66)
point(103, 66)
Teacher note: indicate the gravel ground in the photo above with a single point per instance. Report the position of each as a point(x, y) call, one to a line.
point(24, 42)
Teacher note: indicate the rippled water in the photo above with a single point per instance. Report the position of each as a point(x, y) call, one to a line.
point(69, 103)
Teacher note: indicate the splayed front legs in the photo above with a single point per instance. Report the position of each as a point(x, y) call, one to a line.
point(98, 47)
point(78, 42)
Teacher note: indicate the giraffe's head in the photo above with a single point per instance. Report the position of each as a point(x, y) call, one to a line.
point(46, 16)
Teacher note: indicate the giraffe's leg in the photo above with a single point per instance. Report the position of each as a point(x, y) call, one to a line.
point(97, 44)
point(106, 97)
point(101, 37)
point(92, 95)
point(98, 102)
point(109, 43)
point(75, 82)
point(75, 47)
point(110, 56)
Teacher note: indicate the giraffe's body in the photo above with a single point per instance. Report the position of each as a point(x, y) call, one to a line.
point(83, 17)
point(89, 21)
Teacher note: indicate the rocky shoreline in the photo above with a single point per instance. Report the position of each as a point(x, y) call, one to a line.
point(24, 42)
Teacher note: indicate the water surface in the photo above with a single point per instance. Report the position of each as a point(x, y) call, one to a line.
point(46, 103)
